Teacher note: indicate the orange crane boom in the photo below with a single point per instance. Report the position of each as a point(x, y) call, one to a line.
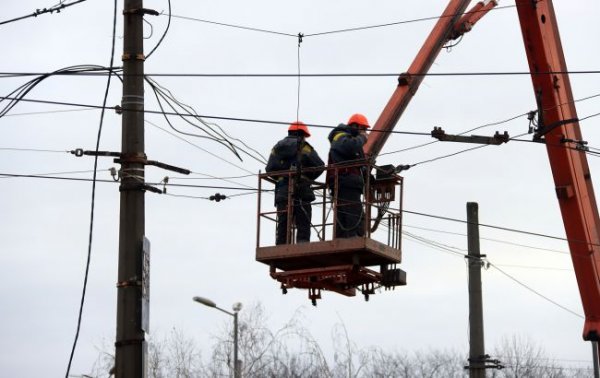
point(557, 119)
point(558, 126)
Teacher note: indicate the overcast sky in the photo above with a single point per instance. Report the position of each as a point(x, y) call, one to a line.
point(200, 247)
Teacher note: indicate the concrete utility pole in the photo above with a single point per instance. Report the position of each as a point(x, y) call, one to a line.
point(130, 357)
point(477, 349)
point(595, 358)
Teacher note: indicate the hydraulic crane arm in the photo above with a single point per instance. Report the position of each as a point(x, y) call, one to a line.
point(557, 118)
point(452, 24)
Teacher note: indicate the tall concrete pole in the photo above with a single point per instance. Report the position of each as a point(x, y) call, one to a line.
point(595, 358)
point(476, 349)
point(130, 354)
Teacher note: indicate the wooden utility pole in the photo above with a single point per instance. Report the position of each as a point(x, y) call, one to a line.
point(130, 354)
point(476, 350)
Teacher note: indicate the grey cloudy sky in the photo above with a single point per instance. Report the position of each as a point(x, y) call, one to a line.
point(205, 248)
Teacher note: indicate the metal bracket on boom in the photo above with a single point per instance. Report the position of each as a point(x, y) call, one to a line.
point(497, 139)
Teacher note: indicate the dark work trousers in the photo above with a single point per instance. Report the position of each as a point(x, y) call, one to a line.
point(350, 216)
point(302, 215)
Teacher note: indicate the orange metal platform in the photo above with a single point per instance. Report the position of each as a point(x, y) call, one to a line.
point(352, 251)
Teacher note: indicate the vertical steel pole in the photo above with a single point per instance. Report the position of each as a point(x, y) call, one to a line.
point(130, 345)
point(236, 363)
point(476, 343)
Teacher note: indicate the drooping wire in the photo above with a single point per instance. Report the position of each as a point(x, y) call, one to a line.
point(212, 130)
point(233, 26)
point(17, 95)
point(534, 291)
point(198, 147)
point(92, 205)
point(164, 33)
point(488, 239)
point(454, 251)
point(331, 31)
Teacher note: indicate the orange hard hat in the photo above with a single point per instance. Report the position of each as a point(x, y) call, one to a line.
point(360, 120)
point(295, 126)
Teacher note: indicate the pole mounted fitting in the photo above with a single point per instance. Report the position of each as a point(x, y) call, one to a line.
point(496, 139)
point(140, 11)
point(133, 158)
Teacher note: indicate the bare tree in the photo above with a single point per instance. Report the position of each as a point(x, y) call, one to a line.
point(292, 352)
point(522, 358)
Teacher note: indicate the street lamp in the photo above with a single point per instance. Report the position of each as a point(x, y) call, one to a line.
point(236, 308)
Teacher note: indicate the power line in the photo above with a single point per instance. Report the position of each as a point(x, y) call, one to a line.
point(30, 150)
point(454, 250)
point(93, 199)
point(359, 28)
point(114, 182)
point(164, 33)
point(38, 12)
point(395, 23)
point(39, 175)
point(250, 120)
point(233, 26)
point(307, 75)
point(198, 147)
point(47, 112)
point(494, 227)
point(534, 291)
point(534, 267)
point(489, 239)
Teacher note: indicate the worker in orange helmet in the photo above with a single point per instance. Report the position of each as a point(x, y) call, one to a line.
point(346, 148)
point(293, 157)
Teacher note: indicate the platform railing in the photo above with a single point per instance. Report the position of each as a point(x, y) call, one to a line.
point(381, 202)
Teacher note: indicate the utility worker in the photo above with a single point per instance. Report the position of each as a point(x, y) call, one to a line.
point(294, 153)
point(347, 143)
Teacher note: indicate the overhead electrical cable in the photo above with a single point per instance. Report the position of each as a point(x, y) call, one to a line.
point(534, 291)
point(212, 130)
point(489, 239)
point(198, 147)
point(2, 174)
point(211, 177)
point(47, 112)
point(534, 267)
point(6, 176)
point(17, 95)
point(433, 18)
point(494, 227)
point(93, 199)
point(164, 33)
point(346, 30)
point(233, 26)
point(38, 12)
point(454, 250)
point(304, 75)
point(31, 150)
